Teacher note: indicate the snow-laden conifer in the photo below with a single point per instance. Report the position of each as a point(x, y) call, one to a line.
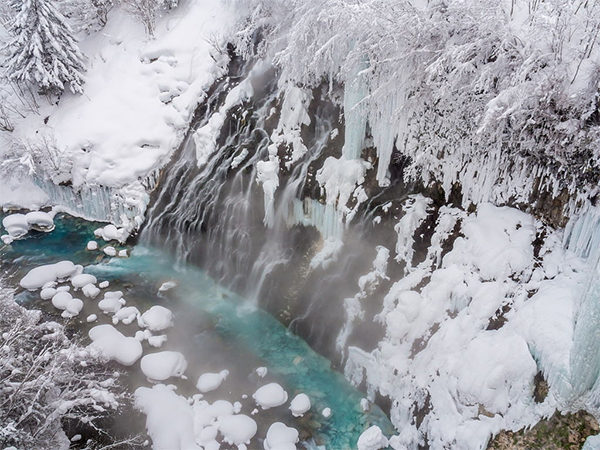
point(44, 50)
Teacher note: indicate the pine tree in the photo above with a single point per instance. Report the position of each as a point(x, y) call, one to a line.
point(44, 50)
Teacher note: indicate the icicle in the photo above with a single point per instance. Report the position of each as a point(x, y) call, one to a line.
point(583, 238)
point(355, 90)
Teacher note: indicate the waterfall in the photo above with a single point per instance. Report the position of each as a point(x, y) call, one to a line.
point(583, 238)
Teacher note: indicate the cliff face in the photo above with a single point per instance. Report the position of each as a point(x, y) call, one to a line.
point(443, 307)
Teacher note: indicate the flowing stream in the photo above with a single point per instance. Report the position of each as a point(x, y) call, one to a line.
point(214, 328)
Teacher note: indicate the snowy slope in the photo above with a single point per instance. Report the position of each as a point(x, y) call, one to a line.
point(138, 99)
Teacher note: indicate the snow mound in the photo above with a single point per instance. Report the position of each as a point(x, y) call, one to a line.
point(92, 245)
point(237, 429)
point(69, 305)
point(126, 315)
point(79, 281)
point(111, 343)
point(111, 233)
point(18, 225)
point(299, 405)
point(270, 395)
point(372, 439)
point(40, 221)
point(169, 417)
point(281, 437)
point(112, 302)
point(48, 293)
point(41, 275)
point(157, 318)
point(157, 341)
point(163, 365)
point(90, 291)
point(210, 381)
point(110, 251)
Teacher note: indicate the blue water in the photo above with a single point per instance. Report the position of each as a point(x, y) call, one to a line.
point(238, 335)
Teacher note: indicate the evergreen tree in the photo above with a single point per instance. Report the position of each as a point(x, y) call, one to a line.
point(44, 50)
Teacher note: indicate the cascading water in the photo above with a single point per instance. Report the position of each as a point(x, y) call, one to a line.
point(212, 214)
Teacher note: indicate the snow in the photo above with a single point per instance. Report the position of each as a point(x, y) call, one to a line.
point(90, 291)
point(210, 381)
point(167, 285)
point(41, 275)
point(157, 318)
point(79, 281)
point(281, 437)
point(237, 429)
point(372, 439)
point(123, 253)
point(73, 308)
point(163, 365)
point(47, 293)
point(91, 318)
point(299, 405)
point(326, 412)
point(157, 341)
point(92, 245)
point(103, 284)
point(61, 300)
point(270, 396)
point(169, 418)
point(112, 302)
point(16, 225)
point(40, 220)
point(111, 233)
point(139, 95)
point(126, 315)
point(113, 345)
point(110, 251)
point(339, 178)
point(261, 371)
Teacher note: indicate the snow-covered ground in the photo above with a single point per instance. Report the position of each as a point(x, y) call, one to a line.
point(138, 100)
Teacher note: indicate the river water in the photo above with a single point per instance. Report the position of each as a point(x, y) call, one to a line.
point(214, 328)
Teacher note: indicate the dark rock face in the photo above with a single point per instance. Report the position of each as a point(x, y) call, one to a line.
point(567, 431)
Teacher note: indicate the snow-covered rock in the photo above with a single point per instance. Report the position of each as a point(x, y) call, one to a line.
point(16, 225)
point(112, 302)
point(112, 344)
point(90, 291)
point(299, 405)
point(40, 221)
point(372, 439)
point(79, 281)
point(92, 245)
point(270, 395)
point(163, 365)
point(157, 318)
point(110, 251)
point(157, 341)
point(281, 437)
point(126, 315)
point(237, 429)
point(47, 293)
point(41, 275)
point(210, 381)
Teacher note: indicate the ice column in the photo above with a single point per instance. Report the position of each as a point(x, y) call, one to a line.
point(583, 238)
point(355, 91)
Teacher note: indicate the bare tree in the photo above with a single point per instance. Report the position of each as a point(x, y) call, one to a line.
point(46, 378)
point(146, 11)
